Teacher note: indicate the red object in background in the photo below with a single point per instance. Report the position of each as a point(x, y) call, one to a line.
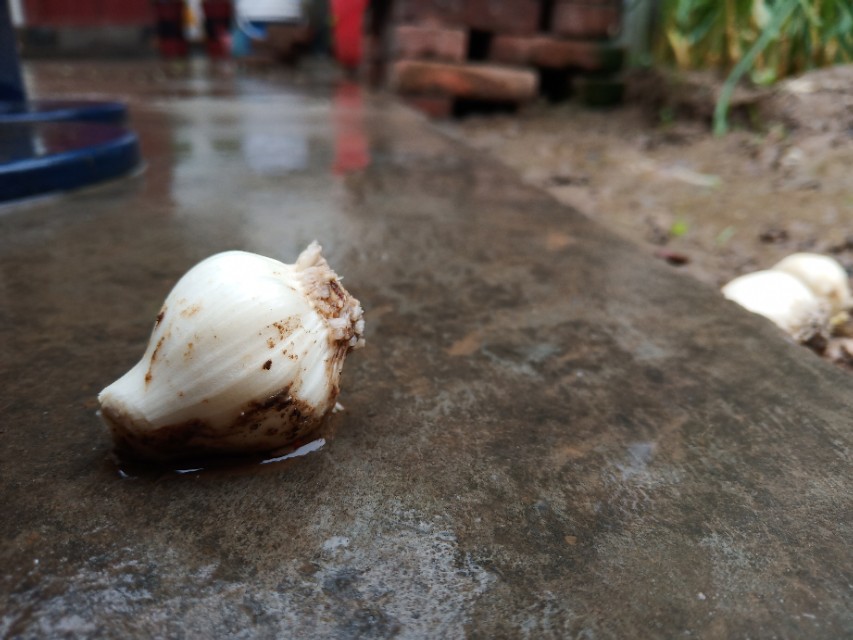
point(87, 13)
point(348, 17)
point(170, 28)
point(217, 27)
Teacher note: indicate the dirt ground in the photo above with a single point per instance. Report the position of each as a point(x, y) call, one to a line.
point(714, 207)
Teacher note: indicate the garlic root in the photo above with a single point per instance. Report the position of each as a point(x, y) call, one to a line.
point(245, 357)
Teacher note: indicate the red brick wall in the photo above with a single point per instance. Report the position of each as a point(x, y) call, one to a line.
point(443, 51)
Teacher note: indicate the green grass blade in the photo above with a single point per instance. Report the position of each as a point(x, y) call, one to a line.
point(781, 13)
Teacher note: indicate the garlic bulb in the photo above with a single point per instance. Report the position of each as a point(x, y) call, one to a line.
point(782, 298)
point(245, 356)
point(826, 278)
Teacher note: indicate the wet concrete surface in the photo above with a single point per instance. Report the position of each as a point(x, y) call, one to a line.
point(549, 433)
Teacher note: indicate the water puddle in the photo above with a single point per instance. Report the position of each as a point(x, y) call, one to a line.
point(131, 469)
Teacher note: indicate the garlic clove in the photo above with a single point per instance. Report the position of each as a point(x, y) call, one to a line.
point(826, 278)
point(245, 356)
point(781, 298)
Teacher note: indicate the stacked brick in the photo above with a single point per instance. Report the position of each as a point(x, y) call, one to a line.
point(443, 53)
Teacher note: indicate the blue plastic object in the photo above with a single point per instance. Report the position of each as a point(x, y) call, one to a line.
point(63, 110)
point(47, 157)
point(49, 146)
point(244, 34)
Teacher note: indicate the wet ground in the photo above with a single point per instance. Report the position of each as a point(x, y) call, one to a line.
point(550, 432)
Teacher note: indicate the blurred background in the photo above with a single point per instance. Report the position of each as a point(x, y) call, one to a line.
point(538, 83)
point(571, 47)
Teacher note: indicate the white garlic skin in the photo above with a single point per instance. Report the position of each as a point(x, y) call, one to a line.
point(823, 275)
point(781, 298)
point(246, 356)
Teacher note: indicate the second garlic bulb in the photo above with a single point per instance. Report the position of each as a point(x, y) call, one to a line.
point(781, 298)
point(823, 275)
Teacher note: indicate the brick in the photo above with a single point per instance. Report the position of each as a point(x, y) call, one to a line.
point(518, 17)
point(437, 13)
point(477, 82)
point(512, 17)
point(540, 51)
point(438, 107)
point(554, 53)
point(584, 20)
point(429, 43)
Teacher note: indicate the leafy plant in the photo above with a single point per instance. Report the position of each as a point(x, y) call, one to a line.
point(769, 39)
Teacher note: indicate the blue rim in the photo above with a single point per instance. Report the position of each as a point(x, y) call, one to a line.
point(70, 169)
point(62, 111)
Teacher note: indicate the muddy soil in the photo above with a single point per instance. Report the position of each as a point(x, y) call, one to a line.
point(716, 208)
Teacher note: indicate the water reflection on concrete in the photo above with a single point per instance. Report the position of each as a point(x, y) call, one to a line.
point(352, 151)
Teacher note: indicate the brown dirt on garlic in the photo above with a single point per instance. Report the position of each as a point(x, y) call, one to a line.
point(713, 207)
point(262, 426)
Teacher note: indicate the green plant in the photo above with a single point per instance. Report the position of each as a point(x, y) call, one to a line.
point(679, 228)
point(769, 39)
